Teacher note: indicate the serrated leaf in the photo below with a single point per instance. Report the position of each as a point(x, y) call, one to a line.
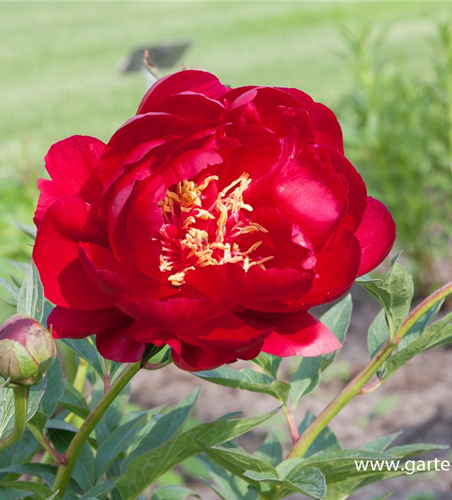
point(173, 493)
point(337, 319)
point(378, 333)
point(149, 466)
point(305, 379)
point(86, 350)
point(394, 293)
point(7, 406)
point(439, 333)
point(30, 300)
point(248, 380)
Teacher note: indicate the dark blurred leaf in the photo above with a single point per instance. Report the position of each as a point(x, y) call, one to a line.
point(54, 389)
point(10, 494)
point(41, 491)
point(99, 491)
point(73, 401)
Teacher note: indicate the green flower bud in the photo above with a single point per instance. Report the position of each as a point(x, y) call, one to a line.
point(27, 350)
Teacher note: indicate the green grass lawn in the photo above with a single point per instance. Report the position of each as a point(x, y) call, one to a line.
point(58, 67)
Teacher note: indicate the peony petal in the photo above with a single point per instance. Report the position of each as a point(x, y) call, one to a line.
point(327, 129)
point(192, 358)
point(174, 314)
point(118, 345)
point(300, 335)
point(74, 324)
point(376, 235)
point(71, 164)
point(66, 223)
point(197, 81)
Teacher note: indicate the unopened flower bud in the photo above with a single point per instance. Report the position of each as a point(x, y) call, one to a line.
point(27, 350)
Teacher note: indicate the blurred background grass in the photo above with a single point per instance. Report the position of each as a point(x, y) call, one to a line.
point(58, 77)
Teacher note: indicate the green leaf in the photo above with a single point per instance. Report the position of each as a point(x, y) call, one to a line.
point(167, 426)
point(9, 494)
point(378, 333)
point(271, 450)
point(7, 406)
point(418, 328)
point(230, 487)
point(86, 350)
point(28, 230)
point(20, 266)
point(381, 444)
point(11, 288)
point(412, 450)
point(117, 442)
point(99, 491)
point(385, 496)
point(240, 463)
point(173, 493)
point(146, 468)
point(54, 389)
point(305, 379)
point(394, 293)
point(30, 300)
point(326, 441)
point(41, 491)
point(337, 319)
point(73, 401)
point(309, 481)
point(439, 333)
point(248, 380)
point(268, 363)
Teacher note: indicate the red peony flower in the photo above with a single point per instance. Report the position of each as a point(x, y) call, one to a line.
point(211, 221)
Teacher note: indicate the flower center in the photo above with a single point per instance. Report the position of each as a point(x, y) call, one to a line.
point(205, 228)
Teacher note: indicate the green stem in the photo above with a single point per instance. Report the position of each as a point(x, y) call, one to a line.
point(356, 385)
point(65, 471)
point(20, 416)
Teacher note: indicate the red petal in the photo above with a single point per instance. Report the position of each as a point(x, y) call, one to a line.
point(337, 268)
point(327, 129)
point(227, 332)
point(74, 324)
point(197, 81)
point(175, 314)
point(376, 235)
point(119, 346)
point(71, 163)
point(67, 222)
point(300, 335)
point(192, 358)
